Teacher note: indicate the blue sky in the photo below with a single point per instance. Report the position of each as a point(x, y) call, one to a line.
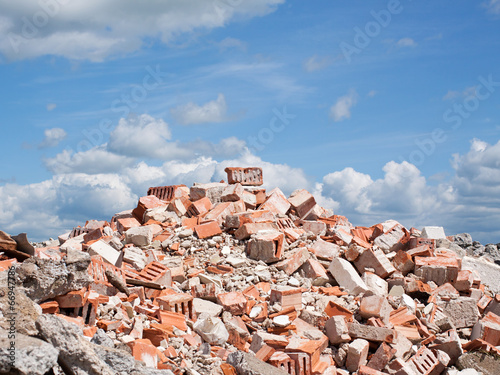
point(382, 109)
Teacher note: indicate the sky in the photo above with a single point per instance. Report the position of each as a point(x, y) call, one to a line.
point(382, 109)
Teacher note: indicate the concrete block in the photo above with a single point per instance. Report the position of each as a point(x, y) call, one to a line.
point(325, 250)
point(346, 276)
point(108, 254)
point(294, 260)
point(336, 330)
point(433, 233)
point(462, 311)
point(375, 260)
point(392, 240)
point(375, 306)
point(315, 271)
point(302, 201)
point(376, 284)
point(357, 354)
point(213, 191)
point(276, 202)
point(370, 333)
point(248, 364)
point(139, 236)
point(266, 246)
point(212, 330)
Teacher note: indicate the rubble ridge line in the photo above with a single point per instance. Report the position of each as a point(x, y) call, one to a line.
point(228, 278)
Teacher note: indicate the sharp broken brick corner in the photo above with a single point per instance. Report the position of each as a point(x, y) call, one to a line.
point(229, 278)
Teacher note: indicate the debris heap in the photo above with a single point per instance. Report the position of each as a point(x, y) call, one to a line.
point(228, 278)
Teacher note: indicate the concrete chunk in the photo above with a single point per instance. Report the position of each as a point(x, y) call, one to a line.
point(248, 364)
point(357, 354)
point(433, 233)
point(347, 277)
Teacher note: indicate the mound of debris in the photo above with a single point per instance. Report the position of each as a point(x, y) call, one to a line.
point(226, 278)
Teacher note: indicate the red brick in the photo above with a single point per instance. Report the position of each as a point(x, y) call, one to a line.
point(246, 230)
point(72, 299)
point(287, 297)
point(294, 261)
point(266, 246)
point(51, 307)
point(173, 319)
point(199, 207)
point(207, 230)
point(302, 202)
point(144, 204)
point(283, 362)
point(276, 202)
point(124, 224)
point(245, 176)
point(234, 302)
point(403, 262)
point(180, 303)
point(168, 193)
point(315, 271)
point(143, 350)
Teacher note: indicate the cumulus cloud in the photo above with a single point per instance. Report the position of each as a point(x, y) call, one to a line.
point(341, 110)
point(52, 137)
point(406, 42)
point(93, 161)
point(466, 201)
point(51, 207)
point(211, 112)
point(93, 30)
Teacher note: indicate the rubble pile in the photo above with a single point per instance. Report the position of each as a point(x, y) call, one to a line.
point(228, 278)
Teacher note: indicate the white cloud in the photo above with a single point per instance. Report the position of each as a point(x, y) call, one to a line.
point(94, 30)
point(341, 110)
point(93, 161)
point(468, 91)
point(191, 113)
point(52, 137)
point(145, 136)
point(51, 207)
point(229, 43)
point(468, 201)
point(406, 42)
point(315, 63)
point(372, 93)
point(493, 6)
point(51, 106)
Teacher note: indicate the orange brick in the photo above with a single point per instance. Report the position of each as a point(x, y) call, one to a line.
point(333, 308)
point(72, 299)
point(207, 230)
point(174, 319)
point(108, 325)
point(265, 352)
point(227, 369)
point(89, 331)
point(51, 307)
point(143, 350)
point(190, 222)
point(287, 297)
point(234, 302)
point(156, 334)
point(199, 207)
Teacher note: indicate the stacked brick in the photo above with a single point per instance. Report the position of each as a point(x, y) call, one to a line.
point(193, 277)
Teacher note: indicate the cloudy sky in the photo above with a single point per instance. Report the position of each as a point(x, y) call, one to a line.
point(383, 109)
